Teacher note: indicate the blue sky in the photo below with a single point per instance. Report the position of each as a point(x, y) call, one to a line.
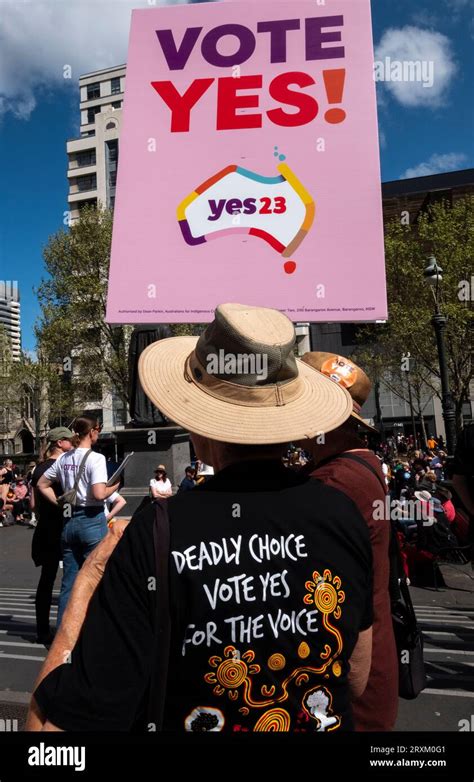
point(422, 130)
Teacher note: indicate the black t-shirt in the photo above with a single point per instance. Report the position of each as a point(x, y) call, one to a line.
point(464, 456)
point(270, 581)
point(46, 543)
point(9, 476)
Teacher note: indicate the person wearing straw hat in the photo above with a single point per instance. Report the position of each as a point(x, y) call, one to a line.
point(270, 572)
point(342, 461)
point(160, 485)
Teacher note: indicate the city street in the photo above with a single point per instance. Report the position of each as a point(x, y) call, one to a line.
point(446, 617)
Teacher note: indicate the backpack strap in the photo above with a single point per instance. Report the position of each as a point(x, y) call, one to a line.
point(159, 679)
point(397, 578)
point(365, 464)
point(81, 469)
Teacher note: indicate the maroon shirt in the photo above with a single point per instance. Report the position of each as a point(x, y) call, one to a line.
point(376, 709)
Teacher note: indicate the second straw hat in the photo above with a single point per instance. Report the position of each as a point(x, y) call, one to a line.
point(347, 374)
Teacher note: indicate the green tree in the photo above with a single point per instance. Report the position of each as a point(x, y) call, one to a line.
point(446, 232)
point(73, 332)
point(33, 380)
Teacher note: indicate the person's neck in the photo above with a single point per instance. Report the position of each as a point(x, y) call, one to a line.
point(230, 461)
point(86, 442)
point(322, 453)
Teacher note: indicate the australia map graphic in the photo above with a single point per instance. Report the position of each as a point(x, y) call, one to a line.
point(277, 209)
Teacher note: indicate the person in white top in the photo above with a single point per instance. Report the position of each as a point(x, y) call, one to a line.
point(85, 523)
point(113, 505)
point(160, 485)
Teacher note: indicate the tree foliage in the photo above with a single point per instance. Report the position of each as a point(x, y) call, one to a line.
point(73, 332)
point(446, 232)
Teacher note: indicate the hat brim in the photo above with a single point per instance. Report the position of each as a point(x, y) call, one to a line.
point(363, 423)
point(418, 496)
point(322, 406)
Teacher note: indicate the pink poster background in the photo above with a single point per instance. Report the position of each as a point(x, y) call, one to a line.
point(343, 250)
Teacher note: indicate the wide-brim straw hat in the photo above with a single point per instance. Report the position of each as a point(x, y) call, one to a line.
point(240, 382)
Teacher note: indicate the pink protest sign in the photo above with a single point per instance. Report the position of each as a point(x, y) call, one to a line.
point(249, 164)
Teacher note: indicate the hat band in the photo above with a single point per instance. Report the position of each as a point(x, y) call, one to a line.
point(272, 395)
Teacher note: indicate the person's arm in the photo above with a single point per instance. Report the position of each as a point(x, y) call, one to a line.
point(100, 491)
point(119, 503)
point(45, 486)
point(96, 476)
point(360, 662)
point(166, 490)
point(154, 491)
point(82, 693)
point(65, 639)
point(161, 495)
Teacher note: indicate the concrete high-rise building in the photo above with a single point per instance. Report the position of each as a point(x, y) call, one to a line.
point(93, 157)
point(92, 175)
point(10, 315)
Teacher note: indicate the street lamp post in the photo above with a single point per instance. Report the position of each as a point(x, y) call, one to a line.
point(433, 275)
point(410, 401)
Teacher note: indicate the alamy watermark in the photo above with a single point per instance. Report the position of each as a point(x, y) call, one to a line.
point(413, 510)
point(421, 71)
point(222, 363)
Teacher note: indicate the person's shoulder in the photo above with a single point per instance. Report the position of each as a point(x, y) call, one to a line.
point(139, 531)
point(143, 517)
point(95, 456)
point(40, 469)
point(64, 457)
point(325, 492)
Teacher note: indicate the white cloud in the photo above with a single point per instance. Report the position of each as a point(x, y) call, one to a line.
point(39, 37)
point(436, 164)
point(413, 44)
point(382, 139)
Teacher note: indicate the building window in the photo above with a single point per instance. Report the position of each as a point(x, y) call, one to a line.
point(116, 104)
point(87, 202)
point(27, 410)
point(113, 150)
point(93, 91)
point(115, 86)
point(111, 125)
point(86, 182)
point(112, 178)
point(86, 158)
point(112, 202)
point(91, 114)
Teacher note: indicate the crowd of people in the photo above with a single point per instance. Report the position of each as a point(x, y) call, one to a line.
point(15, 494)
point(274, 571)
point(427, 512)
